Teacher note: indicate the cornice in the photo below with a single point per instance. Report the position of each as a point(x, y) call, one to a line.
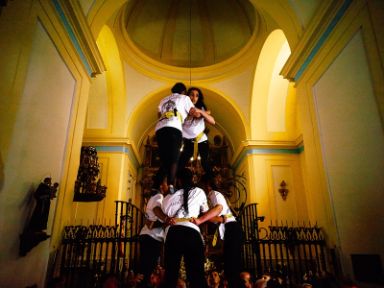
point(245, 58)
point(264, 147)
point(73, 19)
point(319, 29)
point(120, 145)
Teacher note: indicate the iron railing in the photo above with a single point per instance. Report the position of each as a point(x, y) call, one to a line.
point(89, 253)
point(284, 251)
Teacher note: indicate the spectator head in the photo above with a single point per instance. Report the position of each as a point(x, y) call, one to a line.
point(245, 279)
point(213, 278)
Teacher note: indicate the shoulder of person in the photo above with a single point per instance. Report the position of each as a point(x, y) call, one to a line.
point(166, 198)
point(201, 192)
point(157, 196)
point(198, 189)
point(156, 199)
point(219, 195)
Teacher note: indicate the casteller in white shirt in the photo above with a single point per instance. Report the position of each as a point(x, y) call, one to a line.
point(158, 232)
point(218, 198)
point(193, 126)
point(197, 203)
point(174, 103)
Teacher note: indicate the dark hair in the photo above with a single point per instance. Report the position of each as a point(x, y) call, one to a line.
point(185, 176)
point(200, 102)
point(157, 179)
point(209, 179)
point(179, 88)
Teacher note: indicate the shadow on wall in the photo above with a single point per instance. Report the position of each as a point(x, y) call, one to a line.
point(1, 172)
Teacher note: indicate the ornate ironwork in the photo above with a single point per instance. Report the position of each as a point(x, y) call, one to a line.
point(88, 183)
point(89, 253)
point(285, 250)
point(233, 188)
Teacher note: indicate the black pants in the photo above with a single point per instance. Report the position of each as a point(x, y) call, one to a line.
point(149, 254)
point(187, 153)
point(169, 140)
point(187, 242)
point(233, 241)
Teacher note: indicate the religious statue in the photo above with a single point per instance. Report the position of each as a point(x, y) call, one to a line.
point(34, 232)
point(43, 195)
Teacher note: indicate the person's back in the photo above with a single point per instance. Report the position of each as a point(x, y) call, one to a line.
point(184, 238)
point(230, 231)
point(172, 111)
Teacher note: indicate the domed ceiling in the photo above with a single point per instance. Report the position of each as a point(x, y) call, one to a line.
point(190, 33)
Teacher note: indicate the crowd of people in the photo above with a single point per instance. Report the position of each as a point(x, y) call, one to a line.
point(216, 279)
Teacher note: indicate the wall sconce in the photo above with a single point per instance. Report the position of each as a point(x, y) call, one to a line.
point(283, 190)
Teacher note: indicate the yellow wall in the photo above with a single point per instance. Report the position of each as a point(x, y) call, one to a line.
point(338, 95)
point(265, 172)
point(44, 90)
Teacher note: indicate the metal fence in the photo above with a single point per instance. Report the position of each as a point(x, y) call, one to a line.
point(287, 252)
point(89, 253)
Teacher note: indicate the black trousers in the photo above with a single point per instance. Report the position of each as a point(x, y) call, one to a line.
point(187, 242)
point(187, 153)
point(150, 250)
point(169, 140)
point(233, 241)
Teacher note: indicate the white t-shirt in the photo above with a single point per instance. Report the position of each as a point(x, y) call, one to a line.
point(197, 203)
point(192, 127)
point(218, 198)
point(181, 103)
point(156, 233)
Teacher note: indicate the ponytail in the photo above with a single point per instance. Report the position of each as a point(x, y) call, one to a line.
point(185, 176)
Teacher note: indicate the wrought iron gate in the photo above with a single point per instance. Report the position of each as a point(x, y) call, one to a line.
point(288, 252)
point(89, 253)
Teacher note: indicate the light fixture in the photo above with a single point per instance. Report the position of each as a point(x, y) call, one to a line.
point(283, 190)
point(190, 42)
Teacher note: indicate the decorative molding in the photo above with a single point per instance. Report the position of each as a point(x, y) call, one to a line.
point(327, 17)
point(263, 147)
point(79, 32)
point(113, 145)
point(158, 70)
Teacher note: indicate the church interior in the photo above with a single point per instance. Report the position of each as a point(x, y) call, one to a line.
point(295, 86)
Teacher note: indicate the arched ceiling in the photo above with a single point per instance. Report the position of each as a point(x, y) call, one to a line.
point(227, 36)
point(190, 33)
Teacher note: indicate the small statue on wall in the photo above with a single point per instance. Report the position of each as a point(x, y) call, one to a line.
point(34, 232)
